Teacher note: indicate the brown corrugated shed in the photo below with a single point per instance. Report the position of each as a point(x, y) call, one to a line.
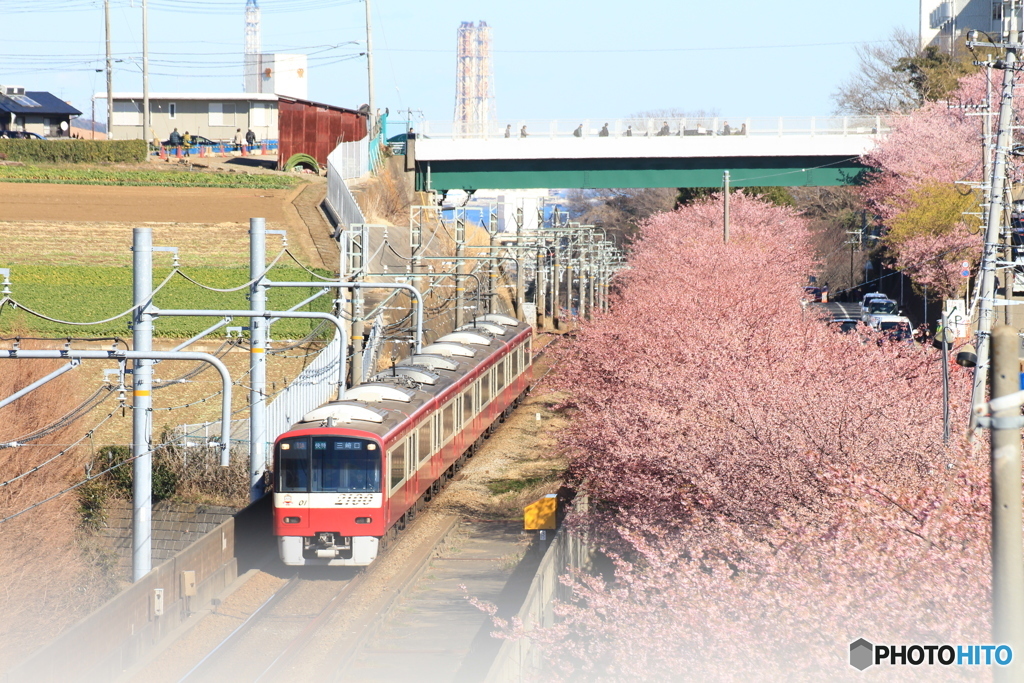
point(315, 129)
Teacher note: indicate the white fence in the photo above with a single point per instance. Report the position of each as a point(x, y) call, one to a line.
point(314, 386)
point(648, 127)
point(348, 160)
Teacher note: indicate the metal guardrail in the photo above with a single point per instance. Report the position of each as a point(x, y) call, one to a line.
point(340, 201)
point(660, 127)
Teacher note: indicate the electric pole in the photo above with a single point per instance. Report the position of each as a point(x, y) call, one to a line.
point(146, 120)
point(110, 71)
point(372, 121)
point(1007, 554)
point(996, 214)
point(725, 213)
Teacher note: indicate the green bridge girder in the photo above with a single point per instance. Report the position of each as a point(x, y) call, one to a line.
point(514, 174)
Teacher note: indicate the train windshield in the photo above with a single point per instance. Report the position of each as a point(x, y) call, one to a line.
point(328, 464)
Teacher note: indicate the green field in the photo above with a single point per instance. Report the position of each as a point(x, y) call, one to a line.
point(93, 176)
point(86, 294)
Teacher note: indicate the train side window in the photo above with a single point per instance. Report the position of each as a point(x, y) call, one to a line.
point(425, 441)
point(410, 447)
point(499, 376)
point(485, 389)
point(514, 360)
point(397, 464)
point(448, 416)
point(458, 412)
point(467, 405)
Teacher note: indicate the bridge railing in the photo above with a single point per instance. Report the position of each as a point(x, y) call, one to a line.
point(716, 126)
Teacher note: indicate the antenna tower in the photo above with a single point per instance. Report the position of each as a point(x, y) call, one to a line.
point(251, 77)
point(474, 81)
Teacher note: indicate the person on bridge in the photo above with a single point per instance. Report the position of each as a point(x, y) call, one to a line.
point(743, 129)
point(508, 130)
point(604, 131)
point(664, 129)
point(629, 131)
point(522, 132)
point(726, 129)
point(578, 132)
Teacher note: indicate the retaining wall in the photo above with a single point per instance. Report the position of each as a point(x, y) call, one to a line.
point(120, 633)
point(520, 660)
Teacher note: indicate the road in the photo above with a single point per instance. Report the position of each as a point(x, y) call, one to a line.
point(837, 310)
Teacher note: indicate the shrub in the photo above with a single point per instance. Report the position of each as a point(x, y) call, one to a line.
point(75, 151)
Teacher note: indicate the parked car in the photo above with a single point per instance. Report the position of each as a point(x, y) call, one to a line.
point(813, 293)
point(198, 141)
point(896, 327)
point(868, 298)
point(877, 307)
point(19, 135)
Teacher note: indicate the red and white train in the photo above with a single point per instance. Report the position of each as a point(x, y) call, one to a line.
point(352, 472)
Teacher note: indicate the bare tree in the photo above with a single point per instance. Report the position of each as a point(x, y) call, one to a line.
point(879, 85)
point(619, 210)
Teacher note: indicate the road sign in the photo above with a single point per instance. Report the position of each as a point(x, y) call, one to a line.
point(965, 269)
point(956, 317)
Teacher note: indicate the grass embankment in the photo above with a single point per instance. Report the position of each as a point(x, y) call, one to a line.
point(86, 294)
point(131, 177)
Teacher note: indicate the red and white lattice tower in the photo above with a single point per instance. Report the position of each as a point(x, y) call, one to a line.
point(474, 81)
point(251, 78)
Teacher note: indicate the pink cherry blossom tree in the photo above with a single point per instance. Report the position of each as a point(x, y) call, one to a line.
point(768, 488)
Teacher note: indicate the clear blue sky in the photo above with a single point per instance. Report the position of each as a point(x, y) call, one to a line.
point(553, 59)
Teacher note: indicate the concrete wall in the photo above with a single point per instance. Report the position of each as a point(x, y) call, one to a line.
point(520, 660)
point(120, 633)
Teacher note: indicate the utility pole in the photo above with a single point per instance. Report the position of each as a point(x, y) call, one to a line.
point(142, 404)
point(1007, 554)
point(996, 211)
point(460, 269)
point(257, 357)
point(110, 71)
point(358, 236)
point(147, 121)
point(369, 71)
point(725, 216)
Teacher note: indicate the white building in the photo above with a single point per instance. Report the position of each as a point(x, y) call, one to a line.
point(277, 74)
point(942, 21)
point(217, 116)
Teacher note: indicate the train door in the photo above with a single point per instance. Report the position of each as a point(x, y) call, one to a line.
point(412, 462)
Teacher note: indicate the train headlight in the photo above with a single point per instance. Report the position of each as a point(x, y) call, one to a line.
point(292, 520)
point(364, 520)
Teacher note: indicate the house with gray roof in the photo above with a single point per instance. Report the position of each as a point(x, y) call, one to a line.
point(35, 112)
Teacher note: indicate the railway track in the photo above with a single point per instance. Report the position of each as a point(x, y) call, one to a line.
point(267, 644)
point(320, 623)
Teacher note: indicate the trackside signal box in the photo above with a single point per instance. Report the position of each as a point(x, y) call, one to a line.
point(541, 514)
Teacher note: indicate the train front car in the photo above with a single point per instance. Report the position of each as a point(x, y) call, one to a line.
point(328, 502)
point(351, 473)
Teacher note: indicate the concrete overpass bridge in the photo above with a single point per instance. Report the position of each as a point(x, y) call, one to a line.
point(644, 153)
